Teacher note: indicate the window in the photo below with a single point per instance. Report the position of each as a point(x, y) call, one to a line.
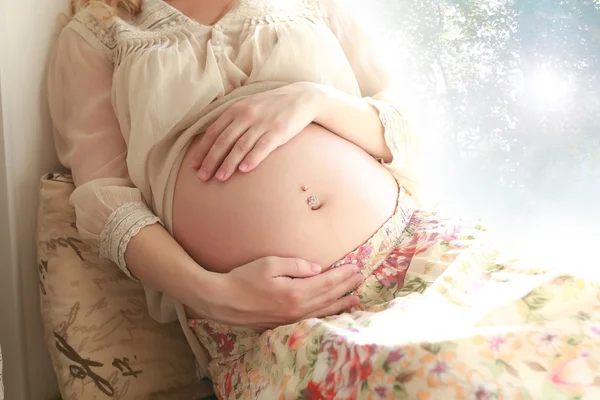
point(510, 90)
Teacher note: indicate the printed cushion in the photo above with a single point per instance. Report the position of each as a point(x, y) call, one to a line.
point(101, 339)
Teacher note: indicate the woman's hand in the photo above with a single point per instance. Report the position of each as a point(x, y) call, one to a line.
point(274, 291)
point(244, 135)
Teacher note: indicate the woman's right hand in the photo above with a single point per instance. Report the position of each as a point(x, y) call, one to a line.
point(274, 291)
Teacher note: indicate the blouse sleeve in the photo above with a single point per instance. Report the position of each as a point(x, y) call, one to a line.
point(109, 209)
point(376, 86)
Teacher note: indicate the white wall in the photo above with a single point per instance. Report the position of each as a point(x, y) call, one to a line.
point(27, 28)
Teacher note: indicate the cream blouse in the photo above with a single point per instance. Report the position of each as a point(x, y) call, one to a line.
point(127, 95)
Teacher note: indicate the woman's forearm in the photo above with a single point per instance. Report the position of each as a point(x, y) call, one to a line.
point(159, 262)
point(354, 119)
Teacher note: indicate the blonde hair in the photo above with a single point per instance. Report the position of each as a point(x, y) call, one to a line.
point(127, 7)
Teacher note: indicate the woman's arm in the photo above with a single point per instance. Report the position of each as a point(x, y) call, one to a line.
point(261, 294)
point(376, 122)
point(110, 210)
point(167, 268)
point(354, 119)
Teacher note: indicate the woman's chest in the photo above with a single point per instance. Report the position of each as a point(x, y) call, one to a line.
point(266, 40)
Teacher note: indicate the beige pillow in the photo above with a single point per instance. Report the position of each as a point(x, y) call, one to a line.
point(101, 339)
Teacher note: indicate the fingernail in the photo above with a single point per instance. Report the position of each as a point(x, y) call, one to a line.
point(220, 175)
point(203, 174)
point(316, 268)
point(243, 167)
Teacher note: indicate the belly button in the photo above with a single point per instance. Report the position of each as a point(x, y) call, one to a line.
point(314, 203)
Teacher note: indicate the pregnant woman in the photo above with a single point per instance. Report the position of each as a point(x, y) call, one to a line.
point(243, 129)
point(245, 162)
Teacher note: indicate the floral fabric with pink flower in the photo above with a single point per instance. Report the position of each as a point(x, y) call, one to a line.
point(447, 312)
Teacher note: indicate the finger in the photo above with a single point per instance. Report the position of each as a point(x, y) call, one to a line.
point(196, 162)
point(327, 281)
point(220, 149)
point(336, 307)
point(336, 292)
point(265, 145)
point(242, 147)
point(208, 139)
point(292, 267)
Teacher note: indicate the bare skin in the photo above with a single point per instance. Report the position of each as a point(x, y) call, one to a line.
point(205, 12)
point(265, 212)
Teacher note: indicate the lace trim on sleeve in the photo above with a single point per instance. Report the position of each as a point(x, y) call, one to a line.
point(396, 129)
point(122, 225)
point(406, 148)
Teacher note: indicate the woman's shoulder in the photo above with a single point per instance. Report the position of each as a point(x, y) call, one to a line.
point(104, 29)
point(97, 26)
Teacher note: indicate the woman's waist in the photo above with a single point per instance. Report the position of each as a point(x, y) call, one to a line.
point(318, 197)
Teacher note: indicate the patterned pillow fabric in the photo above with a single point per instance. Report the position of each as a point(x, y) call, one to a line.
point(102, 342)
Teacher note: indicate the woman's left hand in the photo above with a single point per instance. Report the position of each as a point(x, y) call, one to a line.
point(244, 135)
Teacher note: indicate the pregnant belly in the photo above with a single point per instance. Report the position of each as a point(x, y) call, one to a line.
point(224, 225)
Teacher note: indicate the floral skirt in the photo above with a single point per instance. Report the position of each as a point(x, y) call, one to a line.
point(446, 312)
